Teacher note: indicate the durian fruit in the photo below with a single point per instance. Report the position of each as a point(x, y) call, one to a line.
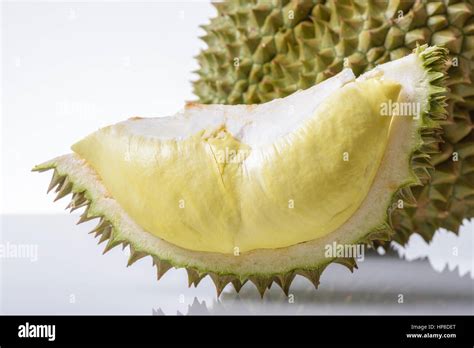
point(246, 193)
point(261, 50)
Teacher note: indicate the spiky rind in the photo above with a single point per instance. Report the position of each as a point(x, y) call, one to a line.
point(435, 64)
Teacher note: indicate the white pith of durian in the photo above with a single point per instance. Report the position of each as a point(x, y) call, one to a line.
point(254, 125)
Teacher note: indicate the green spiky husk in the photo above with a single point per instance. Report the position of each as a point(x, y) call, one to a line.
point(261, 50)
point(113, 224)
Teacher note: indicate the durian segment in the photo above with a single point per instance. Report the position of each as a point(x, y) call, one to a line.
point(209, 191)
point(278, 54)
point(399, 169)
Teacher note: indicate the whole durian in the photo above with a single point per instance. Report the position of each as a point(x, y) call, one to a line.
point(260, 50)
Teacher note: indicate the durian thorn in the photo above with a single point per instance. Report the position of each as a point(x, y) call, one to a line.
point(423, 174)
point(78, 206)
point(79, 200)
point(60, 183)
point(42, 169)
point(261, 283)
point(382, 235)
point(313, 275)
point(161, 266)
point(55, 180)
point(106, 232)
point(407, 195)
point(221, 281)
point(70, 206)
point(284, 281)
point(194, 277)
point(103, 223)
point(64, 189)
point(348, 262)
point(135, 255)
point(237, 284)
point(112, 243)
point(219, 5)
point(86, 217)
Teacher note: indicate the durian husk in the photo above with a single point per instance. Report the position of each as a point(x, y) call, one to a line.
point(110, 227)
point(262, 50)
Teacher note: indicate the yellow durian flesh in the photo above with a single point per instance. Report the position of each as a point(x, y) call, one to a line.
point(211, 191)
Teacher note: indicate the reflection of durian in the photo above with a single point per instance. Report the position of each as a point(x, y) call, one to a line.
point(261, 50)
point(247, 193)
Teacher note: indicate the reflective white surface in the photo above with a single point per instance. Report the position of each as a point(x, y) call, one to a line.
point(70, 276)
